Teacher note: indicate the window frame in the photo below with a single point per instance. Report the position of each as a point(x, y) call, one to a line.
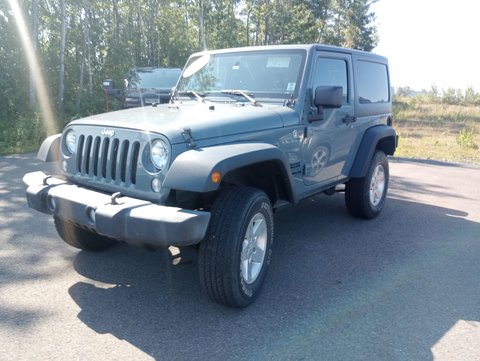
point(347, 59)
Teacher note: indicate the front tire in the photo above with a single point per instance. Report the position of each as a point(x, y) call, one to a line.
point(365, 197)
point(80, 238)
point(235, 253)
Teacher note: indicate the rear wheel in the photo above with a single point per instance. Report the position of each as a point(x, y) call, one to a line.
point(235, 253)
point(80, 238)
point(365, 196)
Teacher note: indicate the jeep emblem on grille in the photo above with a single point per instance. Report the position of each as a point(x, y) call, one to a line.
point(108, 132)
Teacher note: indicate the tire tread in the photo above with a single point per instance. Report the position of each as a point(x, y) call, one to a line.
point(357, 190)
point(216, 252)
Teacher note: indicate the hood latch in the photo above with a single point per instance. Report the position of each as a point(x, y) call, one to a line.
point(187, 135)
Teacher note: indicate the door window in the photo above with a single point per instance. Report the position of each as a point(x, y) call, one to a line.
point(331, 72)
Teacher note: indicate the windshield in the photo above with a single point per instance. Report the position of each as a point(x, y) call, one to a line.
point(259, 74)
point(153, 78)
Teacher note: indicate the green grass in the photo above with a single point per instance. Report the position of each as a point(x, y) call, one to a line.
point(432, 130)
point(437, 131)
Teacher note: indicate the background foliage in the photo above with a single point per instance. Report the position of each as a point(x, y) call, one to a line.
point(81, 42)
point(440, 125)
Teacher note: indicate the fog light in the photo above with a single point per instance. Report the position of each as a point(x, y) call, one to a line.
point(156, 185)
point(51, 203)
point(64, 166)
point(90, 215)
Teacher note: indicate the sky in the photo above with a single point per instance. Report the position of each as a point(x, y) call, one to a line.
point(430, 42)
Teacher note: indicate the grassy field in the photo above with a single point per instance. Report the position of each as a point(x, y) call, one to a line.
point(441, 132)
point(435, 131)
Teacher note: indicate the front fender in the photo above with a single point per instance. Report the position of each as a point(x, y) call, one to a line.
point(191, 170)
point(50, 149)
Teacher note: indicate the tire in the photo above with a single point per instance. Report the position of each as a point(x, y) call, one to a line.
point(235, 253)
point(80, 238)
point(365, 197)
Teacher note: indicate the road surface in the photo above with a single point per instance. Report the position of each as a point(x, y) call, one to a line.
point(405, 286)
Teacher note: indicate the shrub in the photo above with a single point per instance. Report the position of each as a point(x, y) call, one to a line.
point(465, 139)
point(24, 134)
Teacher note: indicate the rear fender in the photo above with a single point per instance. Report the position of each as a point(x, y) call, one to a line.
point(379, 137)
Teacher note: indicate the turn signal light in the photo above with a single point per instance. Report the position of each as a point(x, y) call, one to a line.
point(216, 176)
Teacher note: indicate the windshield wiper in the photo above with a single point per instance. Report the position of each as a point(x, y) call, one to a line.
point(194, 93)
point(243, 94)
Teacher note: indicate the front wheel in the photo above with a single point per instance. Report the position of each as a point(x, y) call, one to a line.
point(235, 253)
point(365, 196)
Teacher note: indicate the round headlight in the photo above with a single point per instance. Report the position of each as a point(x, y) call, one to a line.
point(159, 154)
point(71, 141)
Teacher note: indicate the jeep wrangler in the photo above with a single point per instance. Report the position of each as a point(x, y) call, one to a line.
point(247, 131)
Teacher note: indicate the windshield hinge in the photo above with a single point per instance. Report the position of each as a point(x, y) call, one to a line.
point(187, 135)
point(289, 102)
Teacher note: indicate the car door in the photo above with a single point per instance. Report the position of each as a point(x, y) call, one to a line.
point(328, 142)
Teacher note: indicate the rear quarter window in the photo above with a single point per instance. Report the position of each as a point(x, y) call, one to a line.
point(372, 82)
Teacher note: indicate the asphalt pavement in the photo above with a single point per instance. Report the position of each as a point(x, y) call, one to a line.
point(404, 286)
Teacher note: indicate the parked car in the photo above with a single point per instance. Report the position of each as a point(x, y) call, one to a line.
point(249, 130)
point(145, 86)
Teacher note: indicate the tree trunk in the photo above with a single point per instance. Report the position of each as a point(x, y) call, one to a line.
point(88, 18)
point(33, 92)
point(142, 31)
point(82, 65)
point(267, 21)
point(203, 43)
point(61, 81)
point(82, 76)
point(249, 14)
point(116, 21)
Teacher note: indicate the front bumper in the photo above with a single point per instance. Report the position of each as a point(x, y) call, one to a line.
point(128, 219)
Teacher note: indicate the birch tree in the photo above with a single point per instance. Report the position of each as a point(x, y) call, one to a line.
point(33, 92)
point(61, 77)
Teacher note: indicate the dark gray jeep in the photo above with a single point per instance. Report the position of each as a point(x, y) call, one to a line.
point(247, 131)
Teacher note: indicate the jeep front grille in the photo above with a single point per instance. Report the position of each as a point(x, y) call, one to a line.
point(110, 159)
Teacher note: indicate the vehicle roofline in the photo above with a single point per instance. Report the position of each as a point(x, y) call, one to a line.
point(307, 47)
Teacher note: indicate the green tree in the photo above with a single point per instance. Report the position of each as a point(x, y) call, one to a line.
point(350, 23)
point(83, 42)
point(470, 96)
point(433, 94)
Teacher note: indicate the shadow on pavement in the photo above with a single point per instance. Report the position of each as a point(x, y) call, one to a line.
point(27, 243)
point(338, 288)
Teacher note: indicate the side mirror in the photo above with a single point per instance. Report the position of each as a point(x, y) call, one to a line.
point(326, 97)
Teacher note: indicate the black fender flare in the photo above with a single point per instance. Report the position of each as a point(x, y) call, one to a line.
point(191, 170)
point(380, 137)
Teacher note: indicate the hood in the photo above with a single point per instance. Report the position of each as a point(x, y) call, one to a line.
point(205, 120)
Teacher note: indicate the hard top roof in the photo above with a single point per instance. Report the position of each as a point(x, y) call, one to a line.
point(306, 47)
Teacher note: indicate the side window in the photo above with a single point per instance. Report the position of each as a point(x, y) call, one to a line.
point(372, 82)
point(331, 72)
